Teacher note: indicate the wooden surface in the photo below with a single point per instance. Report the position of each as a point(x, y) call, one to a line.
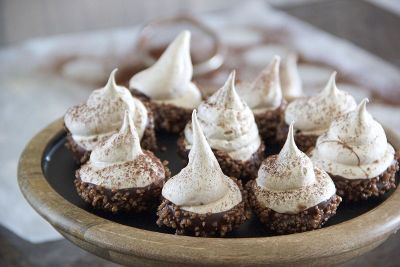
point(15, 252)
point(136, 247)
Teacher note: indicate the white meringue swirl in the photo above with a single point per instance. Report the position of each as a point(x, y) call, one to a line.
point(169, 79)
point(290, 78)
point(201, 186)
point(355, 147)
point(101, 116)
point(313, 115)
point(265, 92)
point(120, 163)
point(289, 183)
point(228, 123)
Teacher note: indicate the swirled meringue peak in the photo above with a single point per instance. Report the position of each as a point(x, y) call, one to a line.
point(355, 147)
point(201, 186)
point(290, 78)
point(228, 123)
point(101, 116)
point(265, 92)
point(313, 115)
point(288, 182)
point(169, 79)
point(119, 162)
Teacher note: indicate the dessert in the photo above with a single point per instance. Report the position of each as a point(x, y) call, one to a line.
point(264, 97)
point(119, 175)
point(229, 126)
point(314, 114)
point(290, 195)
point(167, 86)
point(201, 200)
point(290, 78)
point(357, 156)
point(93, 122)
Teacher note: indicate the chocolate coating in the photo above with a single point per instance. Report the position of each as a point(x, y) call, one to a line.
point(354, 190)
point(205, 225)
point(309, 219)
point(268, 123)
point(167, 117)
point(127, 199)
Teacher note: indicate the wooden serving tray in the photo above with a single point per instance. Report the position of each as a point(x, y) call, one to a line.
point(46, 173)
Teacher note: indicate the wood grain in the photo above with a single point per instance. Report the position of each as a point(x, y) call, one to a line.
point(136, 247)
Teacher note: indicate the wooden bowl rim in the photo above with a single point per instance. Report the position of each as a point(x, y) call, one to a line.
point(338, 239)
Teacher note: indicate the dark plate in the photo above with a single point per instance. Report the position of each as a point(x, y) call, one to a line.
point(59, 169)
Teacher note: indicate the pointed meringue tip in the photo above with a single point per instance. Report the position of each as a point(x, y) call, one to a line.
point(276, 59)
point(229, 85)
point(231, 80)
point(183, 38)
point(330, 87)
point(290, 136)
point(198, 135)
point(332, 78)
point(185, 34)
point(275, 62)
point(200, 145)
point(290, 144)
point(364, 102)
point(197, 132)
point(129, 126)
point(111, 80)
point(194, 115)
point(362, 107)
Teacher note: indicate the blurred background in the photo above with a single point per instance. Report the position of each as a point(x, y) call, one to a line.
point(53, 53)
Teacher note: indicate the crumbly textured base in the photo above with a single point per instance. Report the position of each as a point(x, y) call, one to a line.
point(167, 117)
point(303, 142)
point(122, 200)
point(81, 155)
point(310, 219)
point(205, 225)
point(244, 170)
point(268, 123)
point(354, 190)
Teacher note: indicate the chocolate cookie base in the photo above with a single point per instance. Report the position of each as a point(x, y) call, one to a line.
point(81, 155)
point(121, 200)
point(281, 223)
point(244, 170)
point(268, 123)
point(354, 190)
point(205, 225)
point(167, 117)
point(303, 142)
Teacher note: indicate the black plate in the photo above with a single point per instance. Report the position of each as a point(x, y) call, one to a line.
point(59, 170)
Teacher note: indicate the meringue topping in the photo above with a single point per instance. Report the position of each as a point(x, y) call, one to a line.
point(313, 115)
point(355, 146)
point(120, 163)
point(169, 79)
point(265, 92)
point(201, 186)
point(290, 78)
point(101, 116)
point(228, 123)
point(289, 183)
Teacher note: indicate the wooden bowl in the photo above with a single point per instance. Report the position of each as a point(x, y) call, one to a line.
point(45, 175)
